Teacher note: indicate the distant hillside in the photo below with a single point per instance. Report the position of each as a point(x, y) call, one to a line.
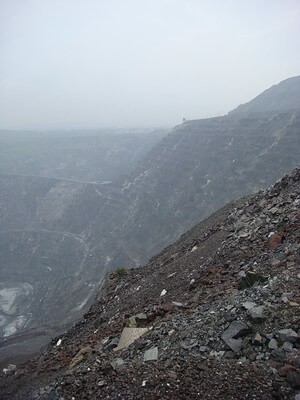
point(101, 155)
point(198, 168)
point(279, 98)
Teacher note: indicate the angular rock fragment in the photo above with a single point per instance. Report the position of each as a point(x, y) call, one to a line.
point(248, 304)
point(79, 356)
point(274, 241)
point(250, 279)
point(128, 336)
point(273, 344)
point(287, 335)
point(177, 304)
point(257, 314)
point(235, 330)
point(132, 322)
point(117, 363)
point(151, 354)
point(287, 346)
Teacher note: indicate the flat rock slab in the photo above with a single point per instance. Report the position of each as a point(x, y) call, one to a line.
point(128, 336)
point(235, 330)
point(151, 354)
point(232, 333)
point(248, 305)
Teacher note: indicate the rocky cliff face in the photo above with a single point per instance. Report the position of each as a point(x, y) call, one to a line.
point(215, 315)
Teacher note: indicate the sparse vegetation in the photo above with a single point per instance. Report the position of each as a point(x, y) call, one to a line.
point(120, 272)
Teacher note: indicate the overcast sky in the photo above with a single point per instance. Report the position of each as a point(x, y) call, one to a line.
point(130, 63)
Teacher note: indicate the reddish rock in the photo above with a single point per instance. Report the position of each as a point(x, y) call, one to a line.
point(167, 307)
point(274, 241)
point(293, 379)
point(212, 270)
point(283, 371)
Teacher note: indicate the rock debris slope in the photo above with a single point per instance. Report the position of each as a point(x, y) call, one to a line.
point(214, 316)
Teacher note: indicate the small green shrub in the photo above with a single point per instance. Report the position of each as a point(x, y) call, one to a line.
point(120, 272)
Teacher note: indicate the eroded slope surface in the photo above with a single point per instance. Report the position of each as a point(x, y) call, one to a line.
point(222, 310)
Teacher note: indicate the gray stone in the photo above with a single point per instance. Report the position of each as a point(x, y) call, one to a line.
point(273, 344)
point(234, 344)
point(112, 344)
point(257, 314)
point(242, 274)
point(278, 355)
point(203, 349)
point(151, 354)
point(275, 263)
point(229, 354)
point(250, 279)
point(287, 346)
point(235, 330)
point(287, 335)
point(232, 333)
point(172, 375)
point(248, 305)
point(177, 304)
point(141, 317)
point(285, 297)
point(117, 363)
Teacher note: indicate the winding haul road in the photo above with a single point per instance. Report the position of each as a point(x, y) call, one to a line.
point(59, 179)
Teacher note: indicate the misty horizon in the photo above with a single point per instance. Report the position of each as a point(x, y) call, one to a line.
point(76, 65)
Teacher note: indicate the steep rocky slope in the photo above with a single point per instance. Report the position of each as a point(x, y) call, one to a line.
point(219, 309)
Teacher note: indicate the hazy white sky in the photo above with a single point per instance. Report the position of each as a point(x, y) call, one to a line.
point(128, 63)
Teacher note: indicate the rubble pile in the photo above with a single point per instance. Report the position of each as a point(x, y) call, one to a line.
point(214, 316)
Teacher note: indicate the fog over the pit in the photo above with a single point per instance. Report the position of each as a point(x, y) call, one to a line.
point(129, 63)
